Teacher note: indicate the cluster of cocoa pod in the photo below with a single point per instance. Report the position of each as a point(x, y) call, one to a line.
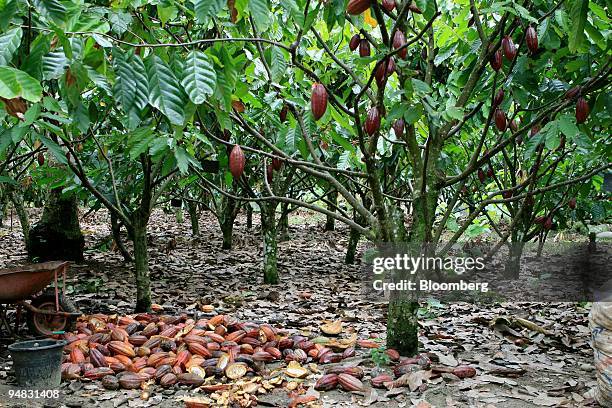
point(350, 378)
point(128, 351)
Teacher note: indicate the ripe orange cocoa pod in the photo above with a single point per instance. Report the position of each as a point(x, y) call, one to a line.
point(350, 383)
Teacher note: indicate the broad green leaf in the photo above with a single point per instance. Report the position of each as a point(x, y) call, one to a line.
point(9, 42)
point(7, 12)
point(279, 64)
point(53, 10)
point(15, 83)
point(130, 84)
point(579, 9)
point(55, 149)
point(205, 9)
point(54, 65)
point(165, 92)
point(182, 159)
point(140, 139)
point(260, 12)
point(33, 63)
point(199, 78)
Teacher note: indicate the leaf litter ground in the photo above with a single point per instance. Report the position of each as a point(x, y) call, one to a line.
point(525, 354)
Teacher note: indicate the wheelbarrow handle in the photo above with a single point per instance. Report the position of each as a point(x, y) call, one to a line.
point(48, 312)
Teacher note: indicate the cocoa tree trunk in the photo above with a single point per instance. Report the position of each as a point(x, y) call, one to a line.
point(330, 223)
point(249, 214)
point(193, 217)
point(141, 265)
point(351, 250)
point(512, 266)
point(58, 234)
point(270, 245)
point(4, 199)
point(402, 325)
point(228, 214)
point(283, 223)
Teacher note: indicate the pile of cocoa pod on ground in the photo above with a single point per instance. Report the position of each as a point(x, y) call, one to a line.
point(131, 352)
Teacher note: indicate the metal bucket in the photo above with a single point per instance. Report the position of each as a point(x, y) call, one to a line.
point(38, 363)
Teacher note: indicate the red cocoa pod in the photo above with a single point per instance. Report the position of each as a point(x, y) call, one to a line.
point(168, 380)
point(269, 173)
point(356, 7)
point(142, 351)
point(350, 383)
point(236, 162)
point(70, 371)
point(119, 347)
point(531, 38)
point(582, 110)
point(507, 194)
point(393, 354)
point(262, 356)
point(130, 381)
point(481, 176)
point(508, 47)
point(548, 223)
point(190, 379)
point(330, 358)
point(398, 127)
point(372, 122)
point(137, 339)
point(327, 382)
point(97, 373)
point(97, 358)
point(300, 355)
point(41, 159)
point(356, 372)
point(364, 48)
point(77, 356)
point(572, 203)
point(283, 113)
point(285, 343)
point(318, 100)
point(199, 350)
point(110, 382)
point(274, 352)
point(399, 41)
point(162, 370)
point(182, 357)
point(500, 120)
point(354, 43)
point(305, 345)
point(251, 341)
point(499, 97)
point(236, 336)
point(379, 381)
point(172, 330)
point(368, 343)
point(402, 369)
point(117, 367)
point(189, 339)
point(388, 5)
point(154, 359)
point(390, 66)
point(572, 92)
point(496, 60)
point(464, 371)
point(119, 334)
point(277, 163)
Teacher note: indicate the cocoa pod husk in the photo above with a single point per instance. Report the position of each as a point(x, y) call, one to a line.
point(97, 373)
point(350, 383)
point(119, 347)
point(168, 380)
point(130, 381)
point(190, 379)
point(97, 358)
point(464, 371)
point(110, 382)
point(327, 382)
point(380, 380)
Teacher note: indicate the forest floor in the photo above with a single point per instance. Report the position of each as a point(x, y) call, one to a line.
point(552, 369)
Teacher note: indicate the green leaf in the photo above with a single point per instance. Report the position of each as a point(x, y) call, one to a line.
point(140, 140)
point(55, 149)
point(279, 64)
point(33, 63)
point(165, 92)
point(7, 12)
point(568, 126)
point(9, 42)
point(53, 10)
point(15, 83)
point(260, 12)
point(182, 159)
point(199, 77)
point(130, 84)
point(578, 13)
point(205, 9)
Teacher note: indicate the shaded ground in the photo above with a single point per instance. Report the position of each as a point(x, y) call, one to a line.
point(517, 367)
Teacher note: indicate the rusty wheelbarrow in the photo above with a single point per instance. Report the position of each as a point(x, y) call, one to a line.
point(48, 311)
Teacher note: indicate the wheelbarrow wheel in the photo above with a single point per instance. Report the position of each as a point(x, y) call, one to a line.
point(46, 325)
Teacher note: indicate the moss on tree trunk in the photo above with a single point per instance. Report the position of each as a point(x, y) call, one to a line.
point(270, 244)
point(330, 222)
point(228, 215)
point(141, 266)
point(193, 217)
point(402, 325)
